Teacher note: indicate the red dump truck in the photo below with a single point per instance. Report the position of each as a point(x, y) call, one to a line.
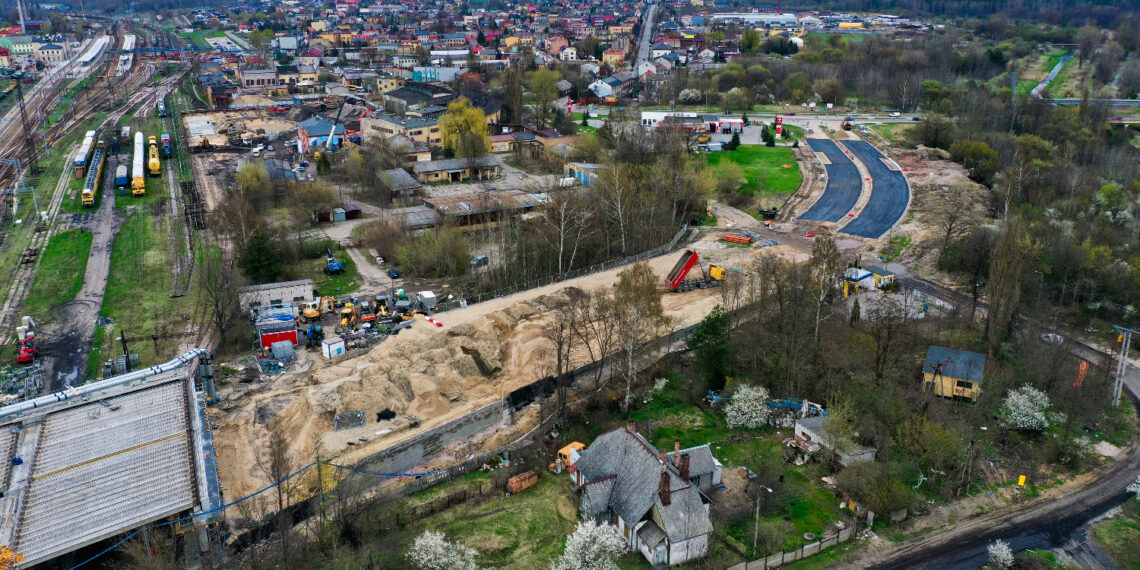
point(676, 279)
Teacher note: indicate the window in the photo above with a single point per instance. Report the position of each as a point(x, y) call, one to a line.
point(965, 384)
point(275, 302)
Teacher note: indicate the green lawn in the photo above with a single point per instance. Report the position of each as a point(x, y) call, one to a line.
point(333, 285)
point(198, 37)
point(527, 530)
point(60, 275)
point(137, 296)
point(763, 168)
point(1120, 536)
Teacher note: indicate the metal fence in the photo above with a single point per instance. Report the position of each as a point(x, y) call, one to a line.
point(780, 558)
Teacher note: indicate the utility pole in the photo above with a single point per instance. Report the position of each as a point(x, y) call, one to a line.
point(23, 188)
point(29, 140)
point(126, 355)
point(1121, 364)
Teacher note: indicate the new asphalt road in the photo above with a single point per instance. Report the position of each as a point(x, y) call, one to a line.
point(843, 184)
point(889, 194)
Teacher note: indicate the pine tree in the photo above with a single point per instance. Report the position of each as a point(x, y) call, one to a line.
point(260, 261)
point(735, 142)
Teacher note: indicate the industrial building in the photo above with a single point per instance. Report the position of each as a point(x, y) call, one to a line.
point(94, 462)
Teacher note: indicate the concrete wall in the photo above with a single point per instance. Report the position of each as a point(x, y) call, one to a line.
point(780, 558)
point(406, 455)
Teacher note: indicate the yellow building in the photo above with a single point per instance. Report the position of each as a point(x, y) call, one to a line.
point(953, 373)
point(386, 84)
point(613, 57)
point(509, 41)
point(419, 129)
point(850, 25)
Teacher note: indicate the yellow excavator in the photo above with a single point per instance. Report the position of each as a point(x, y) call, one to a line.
point(311, 310)
point(349, 315)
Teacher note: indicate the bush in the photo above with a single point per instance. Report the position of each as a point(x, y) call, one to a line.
point(872, 484)
point(436, 253)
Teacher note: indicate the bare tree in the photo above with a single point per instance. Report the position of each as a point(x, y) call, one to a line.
point(640, 318)
point(217, 280)
point(826, 268)
point(1008, 262)
point(568, 220)
point(953, 215)
point(596, 329)
point(276, 468)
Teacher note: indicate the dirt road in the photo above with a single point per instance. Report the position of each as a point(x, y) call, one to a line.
point(68, 345)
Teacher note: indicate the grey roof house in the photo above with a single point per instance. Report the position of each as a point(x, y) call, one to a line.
point(626, 481)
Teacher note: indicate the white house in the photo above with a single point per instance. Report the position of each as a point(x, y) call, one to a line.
point(601, 89)
point(659, 49)
point(648, 495)
point(569, 53)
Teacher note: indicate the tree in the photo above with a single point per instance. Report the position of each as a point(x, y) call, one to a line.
point(709, 341)
point(953, 215)
point(218, 283)
point(253, 184)
point(749, 40)
point(733, 143)
point(1087, 39)
point(543, 85)
point(592, 546)
point(829, 90)
point(935, 131)
point(260, 261)
point(513, 94)
point(310, 198)
point(1001, 555)
point(1134, 487)
point(1007, 263)
point(323, 164)
point(839, 423)
point(464, 129)
point(432, 551)
point(1025, 409)
point(637, 305)
point(747, 408)
point(979, 158)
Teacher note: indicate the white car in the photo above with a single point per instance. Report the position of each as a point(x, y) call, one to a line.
point(1053, 338)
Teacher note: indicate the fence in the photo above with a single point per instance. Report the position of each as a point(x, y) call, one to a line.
point(560, 277)
point(780, 558)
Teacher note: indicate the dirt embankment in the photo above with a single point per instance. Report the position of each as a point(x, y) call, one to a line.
point(436, 374)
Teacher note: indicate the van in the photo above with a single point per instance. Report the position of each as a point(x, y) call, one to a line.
point(479, 261)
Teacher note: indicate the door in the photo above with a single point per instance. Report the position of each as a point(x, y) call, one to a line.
point(659, 555)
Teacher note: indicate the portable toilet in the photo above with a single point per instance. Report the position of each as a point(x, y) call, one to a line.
point(427, 300)
point(332, 347)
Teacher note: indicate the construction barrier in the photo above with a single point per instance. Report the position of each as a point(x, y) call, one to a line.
point(733, 238)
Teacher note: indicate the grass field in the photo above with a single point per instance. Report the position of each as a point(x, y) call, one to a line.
point(137, 296)
point(60, 276)
point(198, 37)
point(893, 133)
point(1120, 536)
point(333, 285)
point(763, 168)
point(1072, 79)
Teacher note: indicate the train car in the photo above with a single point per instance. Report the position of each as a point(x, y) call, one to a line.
point(138, 183)
point(122, 178)
point(94, 175)
point(161, 107)
point(167, 146)
point(83, 155)
point(127, 133)
point(152, 164)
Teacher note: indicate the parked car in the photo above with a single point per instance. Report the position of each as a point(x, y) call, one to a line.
point(1053, 338)
point(393, 274)
point(479, 261)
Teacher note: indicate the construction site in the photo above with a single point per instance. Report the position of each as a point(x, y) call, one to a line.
point(427, 376)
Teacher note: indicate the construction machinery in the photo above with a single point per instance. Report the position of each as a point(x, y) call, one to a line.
point(167, 145)
point(349, 315)
point(27, 349)
point(313, 336)
point(846, 124)
point(312, 310)
point(154, 167)
point(712, 277)
point(332, 266)
point(138, 182)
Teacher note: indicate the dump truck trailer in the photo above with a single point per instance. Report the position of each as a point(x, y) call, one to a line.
point(677, 277)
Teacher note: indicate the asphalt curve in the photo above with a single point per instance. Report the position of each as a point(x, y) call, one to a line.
point(843, 184)
point(889, 194)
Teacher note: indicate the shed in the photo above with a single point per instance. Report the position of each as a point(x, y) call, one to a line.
point(352, 212)
point(953, 373)
point(811, 430)
point(332, 347)
point(339, 214)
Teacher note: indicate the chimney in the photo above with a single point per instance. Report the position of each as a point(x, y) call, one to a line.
point(631, 427)
point(676, 451)
point(684, 468)
point(662, 456)
point(664, 491)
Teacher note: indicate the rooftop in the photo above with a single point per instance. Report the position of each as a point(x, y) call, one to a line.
point(103, 460)
point(955, 363)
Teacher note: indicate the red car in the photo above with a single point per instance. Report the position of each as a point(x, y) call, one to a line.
point(28, 351)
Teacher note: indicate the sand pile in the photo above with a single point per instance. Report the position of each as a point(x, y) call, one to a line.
point(426, 375)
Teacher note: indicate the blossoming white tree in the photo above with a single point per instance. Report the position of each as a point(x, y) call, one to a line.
point(1001, 555)
point(747, 408)
point(1026, 409)
point(591, 546)
point(432, 551)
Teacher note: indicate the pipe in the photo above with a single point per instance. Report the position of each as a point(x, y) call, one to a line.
point(178, 362)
